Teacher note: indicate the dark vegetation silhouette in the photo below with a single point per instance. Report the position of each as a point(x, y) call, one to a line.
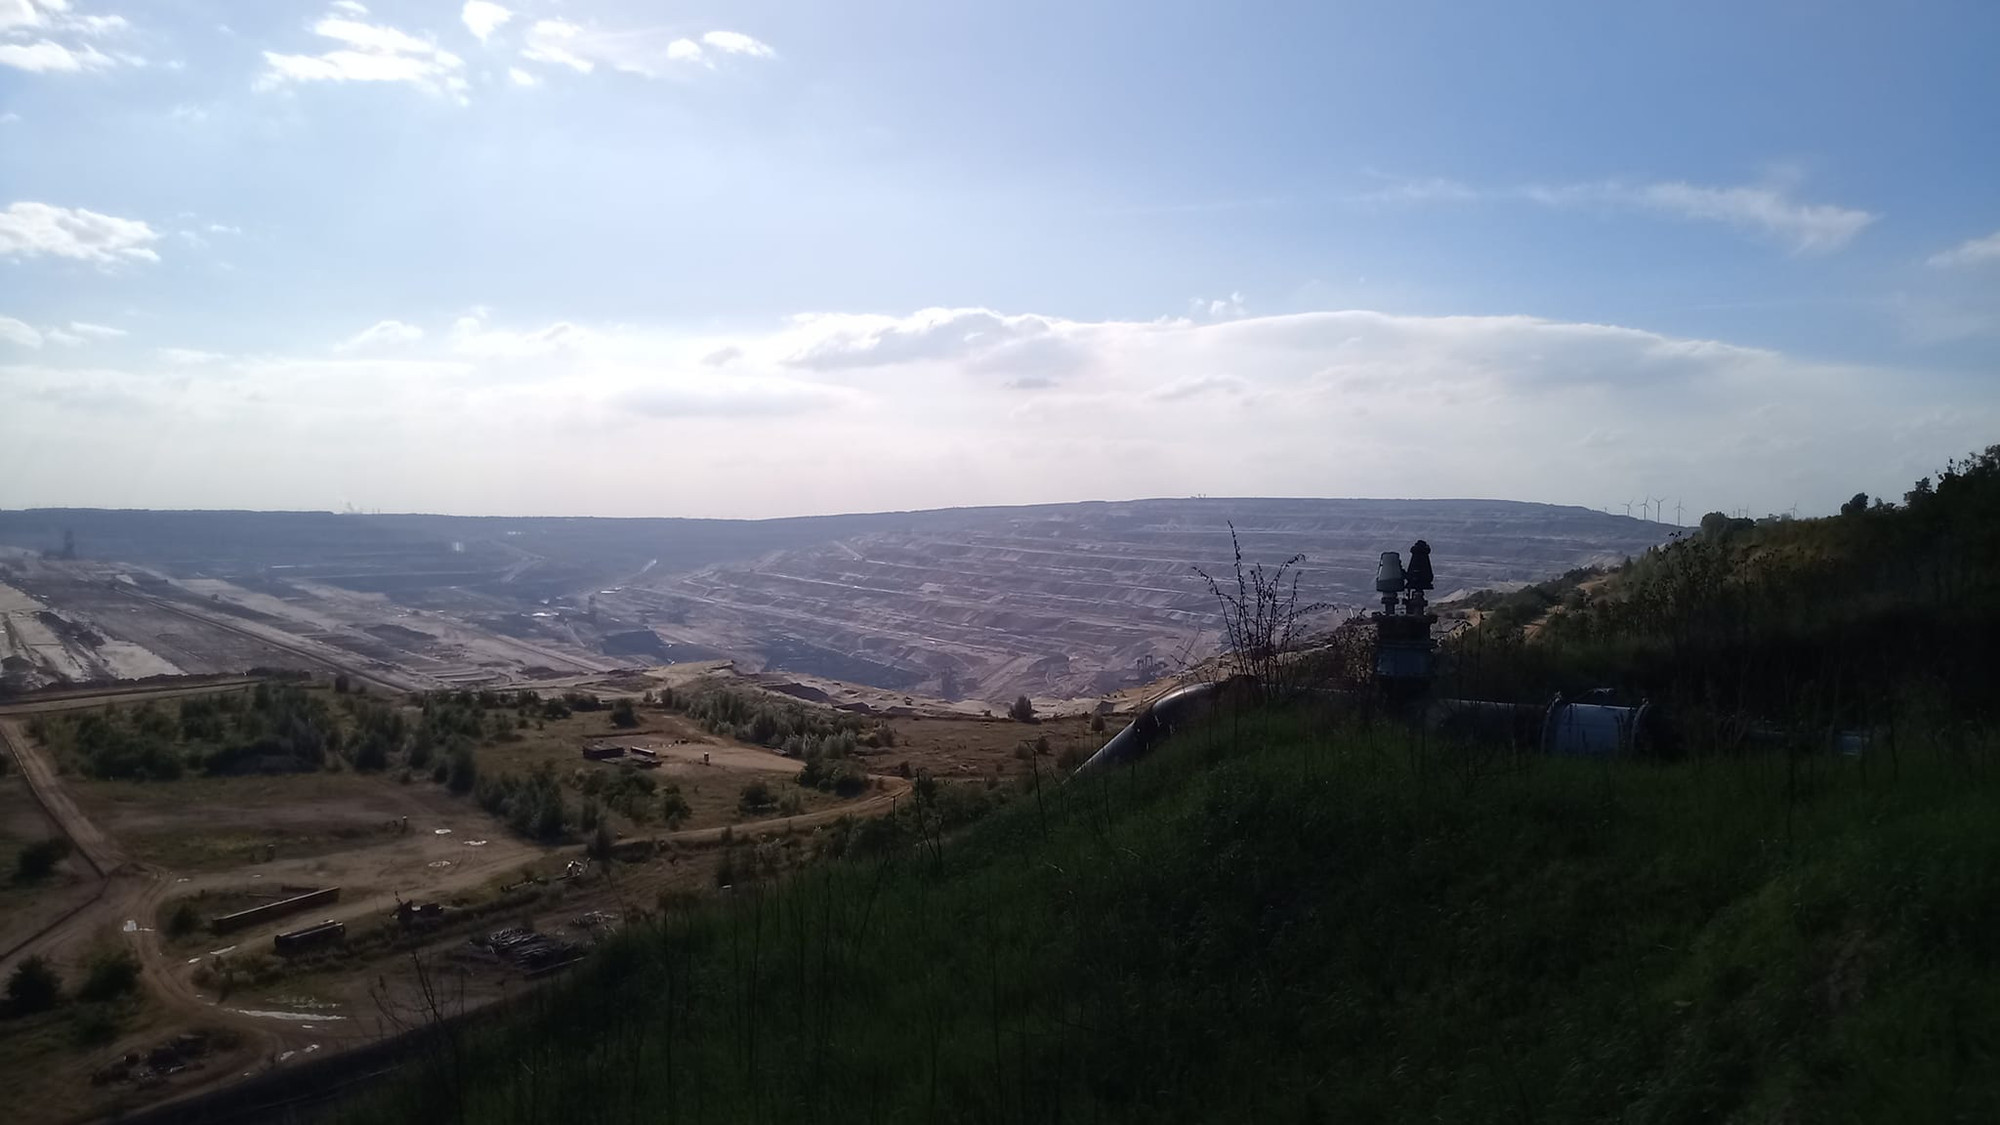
point(1869, 621)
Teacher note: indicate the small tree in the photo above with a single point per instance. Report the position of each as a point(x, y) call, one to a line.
point(601, 842)
point(38, 859)
point(110, 976)
point(34, 987)
point(623, 715)
point(1023, 710)
point(756, 795)
point(1855, 506)
point(674, 808)
point(464, 773)
point(184, 919)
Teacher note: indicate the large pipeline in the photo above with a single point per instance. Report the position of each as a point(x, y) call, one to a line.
point(1558, 727)
point(1158, 720)
point(1580, 727)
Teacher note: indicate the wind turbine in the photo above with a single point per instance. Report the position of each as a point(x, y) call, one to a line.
point(1628, 507)
point(1677, 514)
point(1659, 507)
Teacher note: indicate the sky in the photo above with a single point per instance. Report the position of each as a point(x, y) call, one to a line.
point(776, 257)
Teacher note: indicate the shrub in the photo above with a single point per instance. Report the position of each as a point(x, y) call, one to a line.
point(110, 976)
point(464, 770)
point(674, 809)
point(601, 841)
point(184, 919)
point(623, 715)
point(95, 1026)
point(38, 859)
point(756, 796)
point(371, 756)
point(1023, 710)
point(34, 987)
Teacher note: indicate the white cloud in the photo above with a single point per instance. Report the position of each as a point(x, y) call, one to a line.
point(550, 41)
point(845, 341)
point(17, 332)
point(350, 7)
point(46, 37)
point(369, 53)
point(100, 25)
point(471, 337)
point(1198, 385)
point(1431, 189)
point(188, 357)
point(382, 333)
point(47, 56)
point(1331, 403)
point(32, 230)
point(1804, 227)
point(680, 397)
point(1976, 252)
point(483, 17)
point(645, 51)
point(67, 339)
point(1221, 308)
point(737, 43)
point(521, 77)
point(24, 13)
point(97, 331)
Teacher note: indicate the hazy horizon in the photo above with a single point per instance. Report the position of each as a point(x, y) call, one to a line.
point(1690, 516)
point(747, 260)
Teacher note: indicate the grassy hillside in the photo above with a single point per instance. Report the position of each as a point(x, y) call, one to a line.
point(1867, 619)
point(1283, 918)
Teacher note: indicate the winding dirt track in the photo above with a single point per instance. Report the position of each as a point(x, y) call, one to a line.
point(129, 894)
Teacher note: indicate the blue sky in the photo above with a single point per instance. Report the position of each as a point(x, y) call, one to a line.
point(768, 258)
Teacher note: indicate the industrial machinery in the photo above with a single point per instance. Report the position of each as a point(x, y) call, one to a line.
point(1405, 656)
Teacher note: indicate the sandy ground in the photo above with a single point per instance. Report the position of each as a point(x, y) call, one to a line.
point(14, 601)
point(134, 846)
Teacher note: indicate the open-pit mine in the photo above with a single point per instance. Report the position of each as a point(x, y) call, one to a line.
point(1058, 602)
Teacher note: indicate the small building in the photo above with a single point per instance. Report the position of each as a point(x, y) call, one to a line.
point(310, 938)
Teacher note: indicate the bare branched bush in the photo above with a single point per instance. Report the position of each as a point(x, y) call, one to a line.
point(1262, 620)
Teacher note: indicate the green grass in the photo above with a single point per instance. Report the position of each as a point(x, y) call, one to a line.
point(1271, 922)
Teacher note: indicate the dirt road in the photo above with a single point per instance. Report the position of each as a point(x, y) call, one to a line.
point(443, 854)
point(95, 847)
